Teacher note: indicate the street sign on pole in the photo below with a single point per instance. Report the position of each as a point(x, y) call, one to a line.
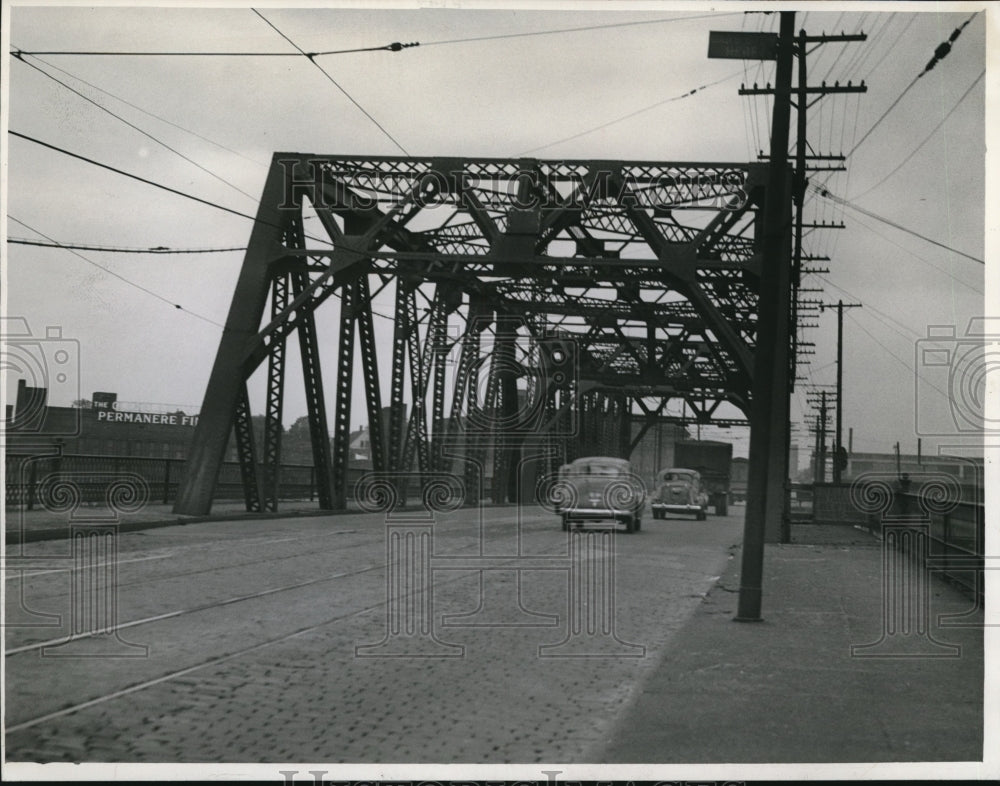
point(735, 45)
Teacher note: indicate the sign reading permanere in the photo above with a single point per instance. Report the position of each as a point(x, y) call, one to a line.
point(173, 419)
point(742, 46)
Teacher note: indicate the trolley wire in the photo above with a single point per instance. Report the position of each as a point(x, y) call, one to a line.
point(122, 249)
point(926, 139)
point(139, 178)
point(110, 272)
point(502, 36)
point(927, 262)
point(312, 59)
point(395, 46)
point(905, 364)
point(939, 54)
point(164, 188)
point(635, 113)
point(823, 192)
point(148, 113)
point(889, 49)
point(133, 126)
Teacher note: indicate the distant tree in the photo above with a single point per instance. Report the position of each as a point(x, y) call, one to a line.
point(299, 430)
point(296, 445)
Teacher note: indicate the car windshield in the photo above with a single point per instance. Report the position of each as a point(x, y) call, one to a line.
point(678, 476)
point(607, 470)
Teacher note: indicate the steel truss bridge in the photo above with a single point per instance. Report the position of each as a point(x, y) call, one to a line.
point(539, 308)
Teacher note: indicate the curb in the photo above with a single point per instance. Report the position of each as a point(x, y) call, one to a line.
point(15, 538)
point(34, 536)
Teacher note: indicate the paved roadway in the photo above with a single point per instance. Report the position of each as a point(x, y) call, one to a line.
point(251, 629)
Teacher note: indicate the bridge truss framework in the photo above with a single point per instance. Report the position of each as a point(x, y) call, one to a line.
point(539, 308)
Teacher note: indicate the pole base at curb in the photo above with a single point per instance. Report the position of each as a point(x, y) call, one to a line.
point(748, 619)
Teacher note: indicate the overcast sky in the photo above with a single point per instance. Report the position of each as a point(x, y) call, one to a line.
point(599, 93)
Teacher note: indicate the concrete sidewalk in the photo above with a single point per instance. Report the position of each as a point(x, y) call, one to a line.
point(788, 689)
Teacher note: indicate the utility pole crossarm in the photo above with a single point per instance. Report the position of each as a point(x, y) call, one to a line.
point(822, 90)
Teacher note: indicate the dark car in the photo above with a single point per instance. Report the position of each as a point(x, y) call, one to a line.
point(601, 492)
point(679, 491)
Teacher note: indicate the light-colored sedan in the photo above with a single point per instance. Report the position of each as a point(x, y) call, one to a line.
point(600, 492)
point(679, 491)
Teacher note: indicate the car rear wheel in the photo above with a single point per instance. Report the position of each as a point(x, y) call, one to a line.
point(701, 515)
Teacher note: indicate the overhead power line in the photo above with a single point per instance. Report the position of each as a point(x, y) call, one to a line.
point(609, 26)
point(155, 185)
point(939, 54)
point(823, 192)
point(130, 175)
point(110, 272)
point(312, 59)
point(133, 126)
point(396, 46)
point(915, 150)
point(149, 182)
point(121, 249)
point(153, 115)
point(633, 114)
point(901, 247)
point(905, 364)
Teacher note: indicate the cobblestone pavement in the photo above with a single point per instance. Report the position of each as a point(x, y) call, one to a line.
point(251, 629)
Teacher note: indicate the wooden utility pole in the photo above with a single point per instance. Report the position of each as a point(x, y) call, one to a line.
point(768, 442)
point(838, 450)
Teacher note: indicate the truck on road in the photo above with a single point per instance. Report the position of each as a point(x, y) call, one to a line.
point(713, 461)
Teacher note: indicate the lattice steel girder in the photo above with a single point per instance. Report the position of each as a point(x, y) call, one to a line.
point(274, 403)
point(685, 230)
point(344, 386)
point(227, 382)
point(246, 451)
point(315, 400)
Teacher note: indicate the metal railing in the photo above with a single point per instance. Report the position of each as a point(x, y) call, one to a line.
point(28, 475)
point(957, 541)
point(955, 525)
